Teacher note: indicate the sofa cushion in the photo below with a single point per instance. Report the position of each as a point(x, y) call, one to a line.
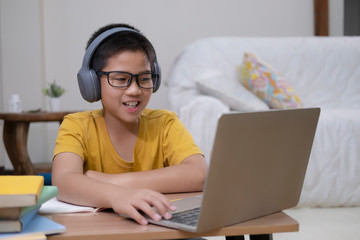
point(332, 177)
point(264, 82)
point(232, 93)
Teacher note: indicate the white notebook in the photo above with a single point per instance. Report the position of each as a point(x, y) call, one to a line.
point(55, 206)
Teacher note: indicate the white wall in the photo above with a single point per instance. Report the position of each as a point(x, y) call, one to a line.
point(22, 67)
point(45, 40)
point(170, 25)
point(336, 17)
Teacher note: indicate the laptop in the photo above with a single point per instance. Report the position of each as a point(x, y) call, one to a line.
point(257, 167)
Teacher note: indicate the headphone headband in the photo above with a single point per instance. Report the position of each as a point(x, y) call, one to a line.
point(87, 78)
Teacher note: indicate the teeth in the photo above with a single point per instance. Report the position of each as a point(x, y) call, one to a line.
point(131, 104)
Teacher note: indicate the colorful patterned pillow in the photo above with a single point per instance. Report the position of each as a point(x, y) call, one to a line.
point(257, 76)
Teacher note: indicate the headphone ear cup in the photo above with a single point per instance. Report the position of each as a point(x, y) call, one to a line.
point(89, 85)
point(157, 70)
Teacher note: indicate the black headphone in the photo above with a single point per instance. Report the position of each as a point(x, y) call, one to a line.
point(87, 78)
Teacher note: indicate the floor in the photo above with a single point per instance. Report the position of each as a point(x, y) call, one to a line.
point(321, 223)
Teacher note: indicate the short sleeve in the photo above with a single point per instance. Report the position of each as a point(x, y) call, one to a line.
point(71, 138)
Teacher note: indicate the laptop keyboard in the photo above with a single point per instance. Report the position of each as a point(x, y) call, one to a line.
point(189, 217)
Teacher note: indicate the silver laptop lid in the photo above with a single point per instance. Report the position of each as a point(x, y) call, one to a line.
point(257, 166)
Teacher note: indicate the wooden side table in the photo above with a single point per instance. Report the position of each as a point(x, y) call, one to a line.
point(15, 136)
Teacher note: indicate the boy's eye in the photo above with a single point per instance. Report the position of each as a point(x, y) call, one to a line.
point(122, 77)
point(145, 77)
point(119, 79)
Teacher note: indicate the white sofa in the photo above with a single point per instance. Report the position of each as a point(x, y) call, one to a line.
point(323, 71)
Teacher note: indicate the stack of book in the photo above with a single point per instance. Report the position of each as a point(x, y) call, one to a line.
point(20, 200)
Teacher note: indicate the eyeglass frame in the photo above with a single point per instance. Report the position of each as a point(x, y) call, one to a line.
point(132, 76)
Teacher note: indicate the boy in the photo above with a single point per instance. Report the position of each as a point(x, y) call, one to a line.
point(124, 156)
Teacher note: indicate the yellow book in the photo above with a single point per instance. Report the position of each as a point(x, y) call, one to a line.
point(28, 236)
point(20, 191)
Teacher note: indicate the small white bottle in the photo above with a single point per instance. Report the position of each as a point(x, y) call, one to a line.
point(15, 104)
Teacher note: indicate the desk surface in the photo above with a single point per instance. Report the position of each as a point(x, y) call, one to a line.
point(108, 225)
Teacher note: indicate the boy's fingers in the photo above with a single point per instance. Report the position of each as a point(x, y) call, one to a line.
point(171, 206)
point(134, 214)
point(166, 202)
point(155, 206)
point(149, 211)
point(163, 208)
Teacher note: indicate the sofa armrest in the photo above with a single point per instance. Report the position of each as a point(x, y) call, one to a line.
point(200, 117)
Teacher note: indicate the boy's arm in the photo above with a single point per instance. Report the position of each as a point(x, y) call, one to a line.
point(187, 176)
point(77, 188)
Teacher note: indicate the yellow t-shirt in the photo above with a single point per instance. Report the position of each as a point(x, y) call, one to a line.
point(162, 141)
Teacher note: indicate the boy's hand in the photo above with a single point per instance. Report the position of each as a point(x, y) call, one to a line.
point(125, 200)
point(130, 201)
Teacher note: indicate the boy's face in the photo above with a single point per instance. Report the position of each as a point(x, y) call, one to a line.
point(125, 104)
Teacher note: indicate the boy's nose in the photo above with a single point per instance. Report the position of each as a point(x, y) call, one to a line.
point(133, 88)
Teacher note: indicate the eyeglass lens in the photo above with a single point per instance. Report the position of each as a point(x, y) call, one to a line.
point(122, 79)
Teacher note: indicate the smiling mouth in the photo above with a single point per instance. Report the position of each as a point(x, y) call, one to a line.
point(131, 104)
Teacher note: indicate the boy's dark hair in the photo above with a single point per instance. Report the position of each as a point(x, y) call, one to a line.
point(118, 42)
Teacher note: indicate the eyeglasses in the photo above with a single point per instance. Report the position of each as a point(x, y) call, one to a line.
point(120, 79)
